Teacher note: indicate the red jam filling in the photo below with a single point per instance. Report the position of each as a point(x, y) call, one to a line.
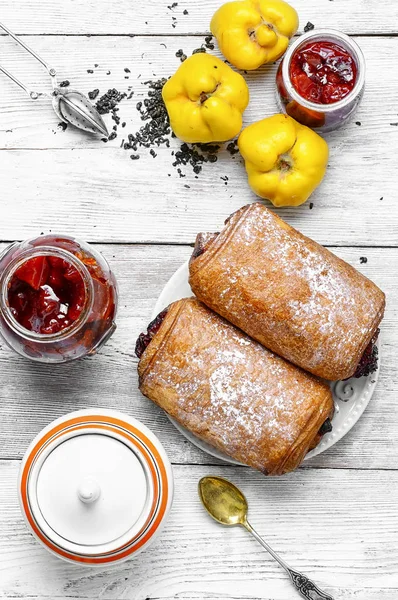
point(46, 294)
point(370, 358)
point(144, 339)
point(323, 72)
point(203, 241)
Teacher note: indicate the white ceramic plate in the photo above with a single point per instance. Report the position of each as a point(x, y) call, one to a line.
point(351, 397)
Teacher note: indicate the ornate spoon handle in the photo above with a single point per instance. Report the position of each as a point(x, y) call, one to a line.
point(306, 587)
point(303, 585)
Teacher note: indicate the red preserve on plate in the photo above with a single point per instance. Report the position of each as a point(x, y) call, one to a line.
point(321, 79)
point(58, 298)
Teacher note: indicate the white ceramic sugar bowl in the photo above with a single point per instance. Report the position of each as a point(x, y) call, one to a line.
point(95, 487)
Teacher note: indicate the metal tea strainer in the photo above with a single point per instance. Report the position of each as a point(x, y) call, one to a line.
point(69, 105)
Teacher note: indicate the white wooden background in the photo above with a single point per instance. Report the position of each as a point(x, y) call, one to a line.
point(336, 518)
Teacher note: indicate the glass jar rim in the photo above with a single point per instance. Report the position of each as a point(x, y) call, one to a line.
point(9, 271)
point(332, 35)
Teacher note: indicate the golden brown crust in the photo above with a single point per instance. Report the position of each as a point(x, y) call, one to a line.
point(231, 392)
point(288, 292)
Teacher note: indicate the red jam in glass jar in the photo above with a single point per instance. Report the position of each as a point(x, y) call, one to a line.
point(46, 294)
point(58, 299)
point(321, 79)
point(323, 72)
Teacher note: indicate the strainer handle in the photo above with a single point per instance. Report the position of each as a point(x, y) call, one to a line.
point(50, 70)
point(31, 93)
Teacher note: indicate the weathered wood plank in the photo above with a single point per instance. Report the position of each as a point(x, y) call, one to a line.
point(32, 394)
point(103, 196)
point(346, 541)
point(122, 201)
point(28, 124)
point(357, 594)
point(90, 17)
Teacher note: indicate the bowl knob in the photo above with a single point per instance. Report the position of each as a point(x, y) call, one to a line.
point(88, 491)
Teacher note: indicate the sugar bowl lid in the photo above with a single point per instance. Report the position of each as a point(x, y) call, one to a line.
point(95, 486)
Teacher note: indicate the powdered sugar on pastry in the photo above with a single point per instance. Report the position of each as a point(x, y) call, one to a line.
point(229, 389)
point(286, 291)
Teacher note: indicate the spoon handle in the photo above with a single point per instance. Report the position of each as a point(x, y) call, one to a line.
point(303, 585)
point(306, 587)
point(31, 93)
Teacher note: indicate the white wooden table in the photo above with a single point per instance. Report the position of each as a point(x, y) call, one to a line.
point(336, 518)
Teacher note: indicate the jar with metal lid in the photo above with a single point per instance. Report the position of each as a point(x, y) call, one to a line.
point(95, 487)
point(321, 79)
point(58, 298)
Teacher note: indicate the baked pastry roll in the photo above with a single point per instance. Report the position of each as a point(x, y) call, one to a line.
point(231, 391)
point(288, 292)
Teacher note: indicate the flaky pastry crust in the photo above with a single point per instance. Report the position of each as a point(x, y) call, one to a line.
point(232, 392)
point(286, 291)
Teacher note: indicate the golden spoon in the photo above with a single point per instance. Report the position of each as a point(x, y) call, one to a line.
point(228, 506)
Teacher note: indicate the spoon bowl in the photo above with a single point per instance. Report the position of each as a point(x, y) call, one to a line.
point(223, 500)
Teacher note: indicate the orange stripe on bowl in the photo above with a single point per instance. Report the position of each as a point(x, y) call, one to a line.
point(79, 423)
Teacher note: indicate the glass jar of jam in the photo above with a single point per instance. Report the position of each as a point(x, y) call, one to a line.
point(321, 79)
point(58, 299)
